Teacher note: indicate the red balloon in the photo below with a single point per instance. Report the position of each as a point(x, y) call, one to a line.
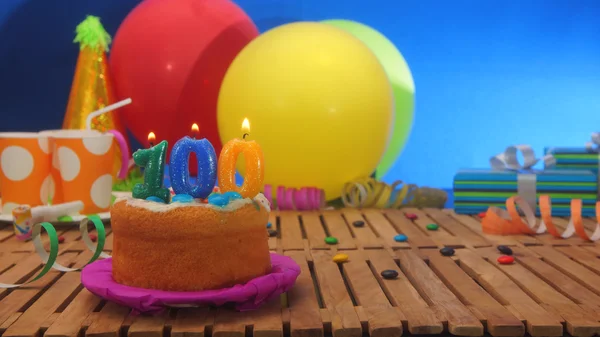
point(170, 57)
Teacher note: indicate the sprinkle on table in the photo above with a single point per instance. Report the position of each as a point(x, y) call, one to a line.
point(400, 238)
point(432, 227)
point(389, 274)
point(93, 237)
point(272, 233)
point(505, 259)
point(481, 215)
point(269, 225)
point(61, 239)
point(447, 251)
point(411, 216)
point(330, 240)
point(505, 250)
point(340, 258)
point(358, 223)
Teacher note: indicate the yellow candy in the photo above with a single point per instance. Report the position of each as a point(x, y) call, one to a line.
point(340, 258)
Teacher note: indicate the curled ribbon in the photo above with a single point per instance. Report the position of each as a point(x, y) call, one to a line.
point(509, 222)
point(369, 192)
point(508, 160)
point(49, 257)
point(301, 199)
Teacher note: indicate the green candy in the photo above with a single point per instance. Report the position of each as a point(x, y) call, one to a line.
point(65, 218)
point(330, 240)
point(432, 227)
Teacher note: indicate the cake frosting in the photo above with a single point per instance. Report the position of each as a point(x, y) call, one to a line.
point(189, 246)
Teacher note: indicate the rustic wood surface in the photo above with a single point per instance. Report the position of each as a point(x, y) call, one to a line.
point(553, 288)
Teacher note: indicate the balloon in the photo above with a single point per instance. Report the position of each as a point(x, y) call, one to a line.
point(402, 83)
point(318, 101)
point(170, 58)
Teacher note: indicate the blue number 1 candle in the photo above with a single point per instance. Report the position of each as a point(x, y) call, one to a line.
point(207, 166)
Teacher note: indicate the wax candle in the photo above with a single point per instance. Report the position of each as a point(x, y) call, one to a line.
point(255, 169)
point(207, 166)
point(153, 162)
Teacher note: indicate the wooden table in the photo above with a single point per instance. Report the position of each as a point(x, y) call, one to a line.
point(553, 288)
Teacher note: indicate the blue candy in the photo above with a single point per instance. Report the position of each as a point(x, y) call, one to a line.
point(400, 238)
point(218, 200)
point(155, 199)
point(232, 195)
point(182, 198)
point(269, 225)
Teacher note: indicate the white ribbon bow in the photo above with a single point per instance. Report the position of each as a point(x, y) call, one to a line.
point(508, 160)
point(594, 145)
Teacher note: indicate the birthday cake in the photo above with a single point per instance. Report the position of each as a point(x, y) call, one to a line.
point(188, 244)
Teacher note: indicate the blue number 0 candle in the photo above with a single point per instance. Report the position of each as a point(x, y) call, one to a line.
point(207, 167)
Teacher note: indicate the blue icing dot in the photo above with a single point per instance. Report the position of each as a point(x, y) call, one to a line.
point(269, 225)
point(182, 198)
point(217, 200)
point(400, 238)
point(232, 195)
point(155, 199)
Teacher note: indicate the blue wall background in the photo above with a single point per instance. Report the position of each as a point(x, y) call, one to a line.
point(487, 73)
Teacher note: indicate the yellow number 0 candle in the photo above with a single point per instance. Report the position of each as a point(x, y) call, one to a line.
point(255, 169)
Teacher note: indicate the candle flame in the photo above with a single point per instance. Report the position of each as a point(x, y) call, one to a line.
point(246, 126)
point(151, 137)
point(195, 128)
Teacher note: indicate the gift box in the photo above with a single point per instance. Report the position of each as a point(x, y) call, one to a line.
point(477, 189)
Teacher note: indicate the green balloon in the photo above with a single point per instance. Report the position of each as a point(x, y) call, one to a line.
point(402, 82)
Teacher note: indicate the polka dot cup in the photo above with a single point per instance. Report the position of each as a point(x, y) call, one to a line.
point(25, 170)
point(85, 160)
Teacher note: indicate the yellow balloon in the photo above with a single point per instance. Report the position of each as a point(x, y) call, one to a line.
point(319, 103)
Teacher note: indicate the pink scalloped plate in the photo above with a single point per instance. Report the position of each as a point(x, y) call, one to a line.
point(97, 278)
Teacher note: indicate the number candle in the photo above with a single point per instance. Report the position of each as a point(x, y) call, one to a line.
point(207, 166)
point(153, 162)
point(255, 169)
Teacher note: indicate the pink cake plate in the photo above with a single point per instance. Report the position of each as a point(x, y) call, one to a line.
point(97, 278)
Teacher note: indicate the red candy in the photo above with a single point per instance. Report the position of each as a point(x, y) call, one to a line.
point(216, 189)
point(93, 237)
point(411, 216)
point(505, 259)
point(481, 215)
point(61, 239)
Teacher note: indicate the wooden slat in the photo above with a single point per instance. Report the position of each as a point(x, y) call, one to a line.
point(382, 318)
point(267, 321)
point(582, 256)
point(475, 226)
point(498, 320)
point(108, 243)
point(229, 323)
point(364, 236)
point(420, 318)
point(273, 240)
point(148, 326)
point(70, 322)
point(305, 315)
point(108, 322)
point(338, 228)
point(344, 320)
point(416, 237)
point(441, 237)
point(460, 320)
point(315, 234)
point(291, 234)
point(384, 228)
point(454, 227)
point(578, 322)
point(539, 321)
point(192, 322)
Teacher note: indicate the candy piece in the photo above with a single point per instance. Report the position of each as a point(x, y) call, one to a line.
point(269, 225)
point(217, 200)
point(182, 198)
point(272, 233)
point(505, 250)
point(93, 237)
point(432, 227)
point(330, 240)
point(389, 274)
point(232, 195)
point(481, 215)
point(61, 239)
point(216, 189)
point(447, 251)
point(505, 259)
point(400, 238)
point(340, 258)
point(155, 199)
point(411, 216)
point(65, 218)
point(358, 223)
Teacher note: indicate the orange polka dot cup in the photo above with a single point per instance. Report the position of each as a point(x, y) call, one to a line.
point(85, 160)
point(25, 170)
